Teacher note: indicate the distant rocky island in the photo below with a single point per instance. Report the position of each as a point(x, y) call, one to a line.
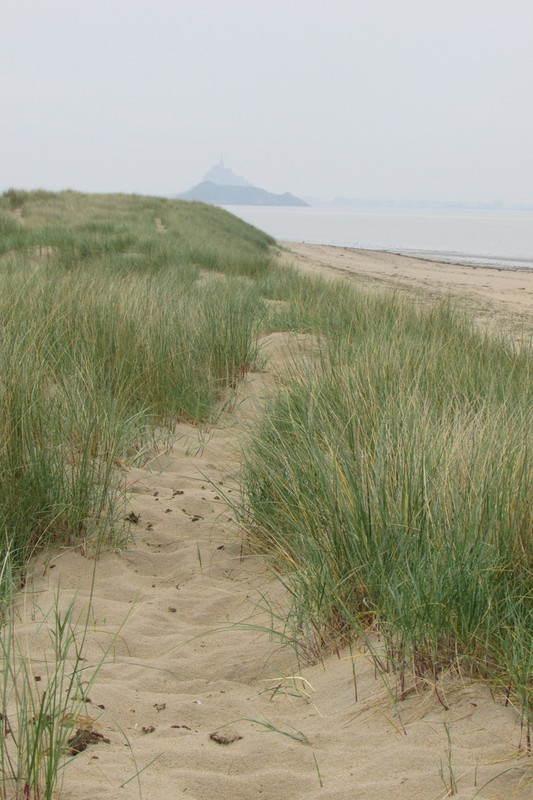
point(221, 187)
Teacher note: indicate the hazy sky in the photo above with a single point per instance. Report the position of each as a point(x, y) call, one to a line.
point(403, 99)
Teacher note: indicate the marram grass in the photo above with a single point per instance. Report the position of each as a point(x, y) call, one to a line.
point(111, 327)
point(392, 485)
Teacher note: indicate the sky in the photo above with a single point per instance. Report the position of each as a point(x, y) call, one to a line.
point(396, 99)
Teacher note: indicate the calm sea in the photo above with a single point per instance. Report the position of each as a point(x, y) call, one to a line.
point(498, 238)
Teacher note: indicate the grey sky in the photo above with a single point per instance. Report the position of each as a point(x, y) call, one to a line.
point(405, 99)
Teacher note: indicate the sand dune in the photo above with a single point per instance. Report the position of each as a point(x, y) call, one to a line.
point(192, 628)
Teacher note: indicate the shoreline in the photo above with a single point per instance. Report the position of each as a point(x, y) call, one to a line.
point(434, 256)
point(475, 262)
point(479, 237)
point(507, 291)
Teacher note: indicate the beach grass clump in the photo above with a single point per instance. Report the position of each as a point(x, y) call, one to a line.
point(391, 484)
point(58, 443)
point(42, 706)
point(109, 333)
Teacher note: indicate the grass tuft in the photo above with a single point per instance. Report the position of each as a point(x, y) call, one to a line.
point(391, 485)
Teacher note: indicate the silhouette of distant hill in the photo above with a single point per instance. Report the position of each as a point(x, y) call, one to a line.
point(218, 194)
point(221, 186)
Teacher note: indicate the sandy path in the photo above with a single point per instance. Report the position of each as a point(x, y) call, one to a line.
point(502, 295)
point(170, 679)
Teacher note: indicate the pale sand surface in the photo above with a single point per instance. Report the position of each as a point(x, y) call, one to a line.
point(181, 614)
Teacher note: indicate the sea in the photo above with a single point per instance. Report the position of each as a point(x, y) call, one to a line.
point(491, 237)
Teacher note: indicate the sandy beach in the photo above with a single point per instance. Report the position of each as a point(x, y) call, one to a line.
point(497, 295)
point(201, 694)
